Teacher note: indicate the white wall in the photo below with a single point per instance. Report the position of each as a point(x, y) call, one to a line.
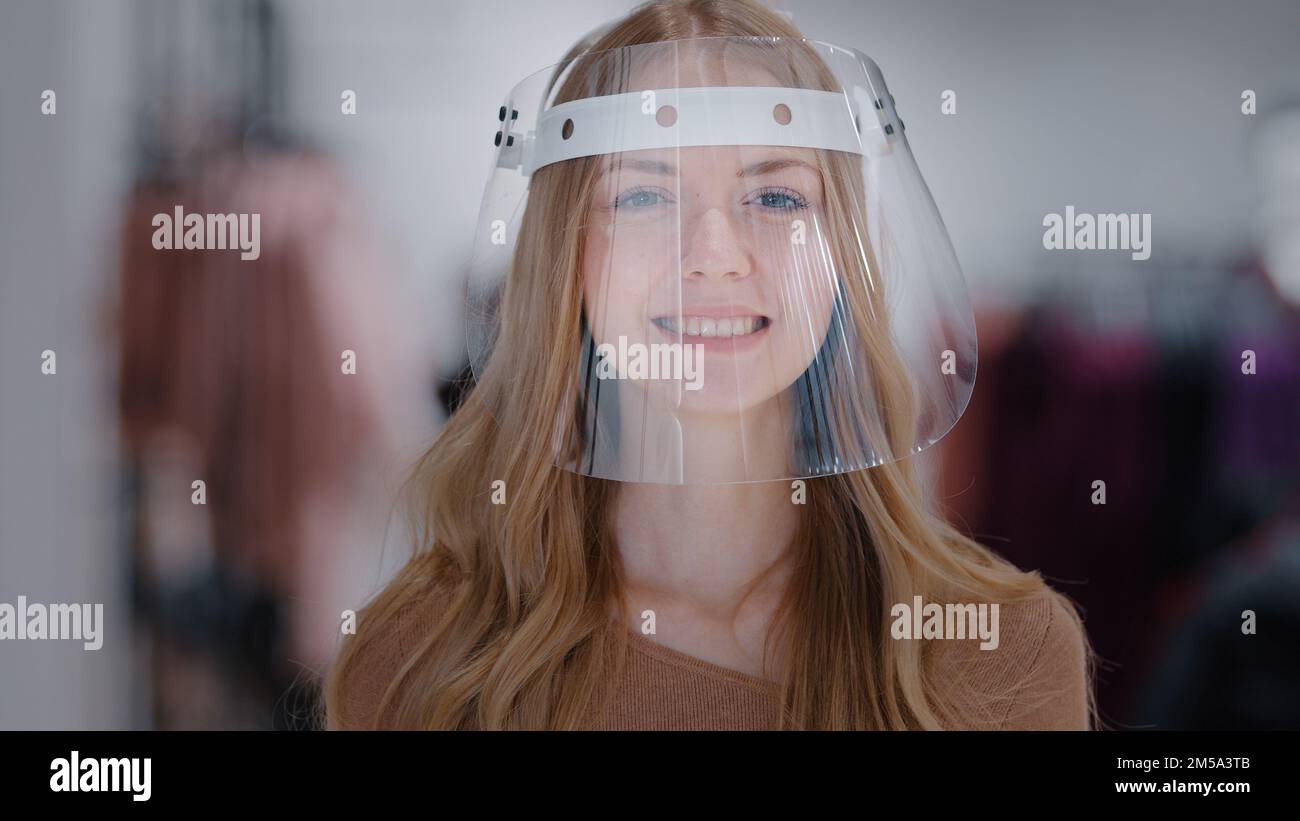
point(59, 177)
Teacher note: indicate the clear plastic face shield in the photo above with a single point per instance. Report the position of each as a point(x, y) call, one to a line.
point(714, 261)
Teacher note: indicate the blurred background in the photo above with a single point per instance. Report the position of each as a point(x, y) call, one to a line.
point(172, 366)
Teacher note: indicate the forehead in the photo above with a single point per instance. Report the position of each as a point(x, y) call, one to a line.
point(711, 161)
point(706, 63)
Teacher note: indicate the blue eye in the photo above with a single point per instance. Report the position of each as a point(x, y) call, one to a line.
point(638, 198)
point(782, 199)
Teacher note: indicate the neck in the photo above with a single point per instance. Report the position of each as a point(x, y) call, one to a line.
point(705, 545)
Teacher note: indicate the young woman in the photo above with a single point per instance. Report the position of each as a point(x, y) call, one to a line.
point(714, 316)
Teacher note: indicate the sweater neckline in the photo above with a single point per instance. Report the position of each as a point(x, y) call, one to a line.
point(671, 655)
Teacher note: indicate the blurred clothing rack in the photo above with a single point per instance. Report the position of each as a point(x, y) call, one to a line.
point(229, 372)
point(1134, 379)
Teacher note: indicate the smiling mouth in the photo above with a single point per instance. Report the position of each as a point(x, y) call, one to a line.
point(713, 327)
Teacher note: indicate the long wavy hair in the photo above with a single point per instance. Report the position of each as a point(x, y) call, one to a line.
point(519, 595)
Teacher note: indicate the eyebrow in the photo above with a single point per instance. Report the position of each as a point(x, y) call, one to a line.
point(768, 166)
point(670, 170)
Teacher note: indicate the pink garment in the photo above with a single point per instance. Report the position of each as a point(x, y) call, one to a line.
point(245, 355)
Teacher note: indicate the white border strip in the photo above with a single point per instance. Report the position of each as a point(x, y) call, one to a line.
point(727, 115)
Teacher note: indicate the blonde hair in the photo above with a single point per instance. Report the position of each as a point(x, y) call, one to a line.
point(521, 635)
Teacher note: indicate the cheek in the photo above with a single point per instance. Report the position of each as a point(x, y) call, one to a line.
point(616, 283)
point(824, 307)
point(595, 281)
point(819, 309)
point(808, 307)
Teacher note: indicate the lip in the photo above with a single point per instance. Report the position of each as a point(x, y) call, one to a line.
point(711, 311)
point(720, 344)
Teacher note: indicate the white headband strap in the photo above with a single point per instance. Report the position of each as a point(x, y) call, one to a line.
point(680, 117)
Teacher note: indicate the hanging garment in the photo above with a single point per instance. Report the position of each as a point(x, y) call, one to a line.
point(248, 356)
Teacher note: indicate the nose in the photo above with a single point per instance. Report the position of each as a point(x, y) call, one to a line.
point(713, 250)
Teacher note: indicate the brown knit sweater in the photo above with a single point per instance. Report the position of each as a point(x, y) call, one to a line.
point(1035, 679)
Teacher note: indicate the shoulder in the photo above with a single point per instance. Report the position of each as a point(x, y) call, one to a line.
point(374, 659)
point(1052, 672)
point(1036, 678)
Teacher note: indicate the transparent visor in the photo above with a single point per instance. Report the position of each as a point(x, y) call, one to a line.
point(714, 261)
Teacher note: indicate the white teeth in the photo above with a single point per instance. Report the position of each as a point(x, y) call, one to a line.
point(709, 327)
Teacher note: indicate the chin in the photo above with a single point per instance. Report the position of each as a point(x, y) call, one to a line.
point(716, 399)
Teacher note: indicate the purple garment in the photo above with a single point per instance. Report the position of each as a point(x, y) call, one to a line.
point(1069, 409)
point(1260, 412)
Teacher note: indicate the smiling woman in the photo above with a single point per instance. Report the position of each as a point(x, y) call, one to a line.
point(699, 174)
point(700, 243)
